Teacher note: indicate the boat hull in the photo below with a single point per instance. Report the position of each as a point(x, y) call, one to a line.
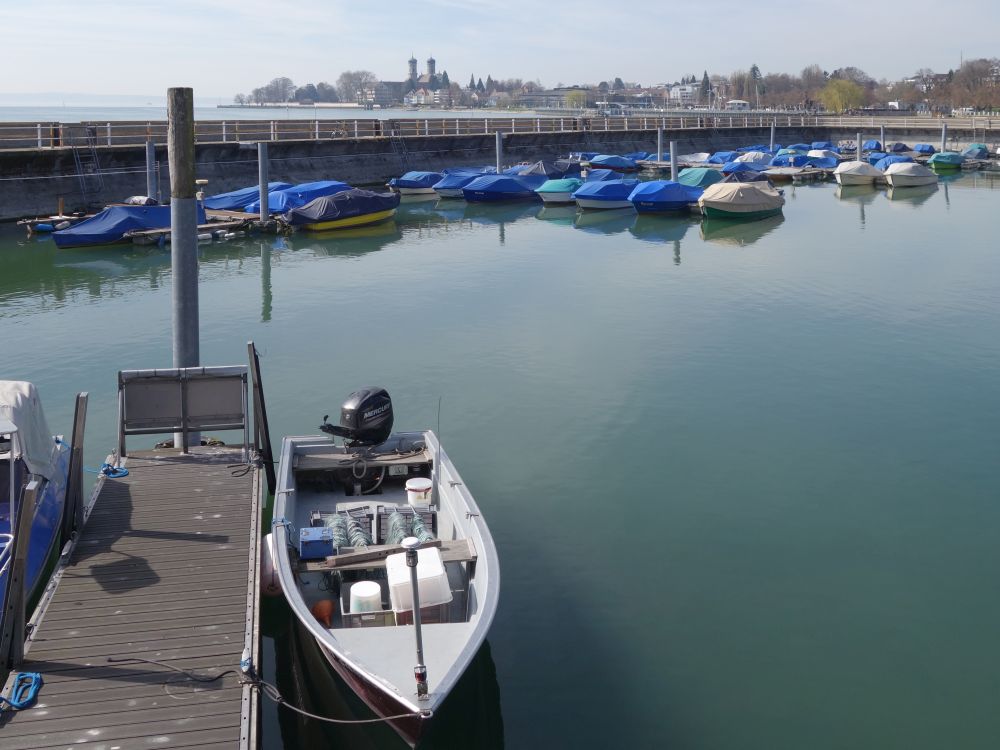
point(844, 178)
point(351, 221)
point(481, 196)
point(657, 207)
point(713, 212)
point(414, 191)
point(902, 181)
point(565, 196)
point(449, 192)
point(594, 203)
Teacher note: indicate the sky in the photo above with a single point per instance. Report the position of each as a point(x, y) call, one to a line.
point(110, 48)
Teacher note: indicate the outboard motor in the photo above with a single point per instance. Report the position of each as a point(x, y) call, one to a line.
point(365, 417)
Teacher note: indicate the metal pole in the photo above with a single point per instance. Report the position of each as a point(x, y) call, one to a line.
point(773, 126)
point(183, 234)
point(499, 136)
point(944, 136)
point(881, 132)
point(659, 144)
point(151, 170)
point(265, 208)
point(411, 545)
point(673, 160)
point(858, 144)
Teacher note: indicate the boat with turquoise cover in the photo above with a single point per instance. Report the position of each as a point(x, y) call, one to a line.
point(700, 177)
point(560, 190)
point(946, 160)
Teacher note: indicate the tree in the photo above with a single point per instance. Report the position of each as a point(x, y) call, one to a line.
point(576, 99)
point(490, 83)
point(603, 87)
point(326, 92)
point(618, 84)
point(480, 87)
point(352, 83)
point(240, 99)
point(840, 94)
point(306, 93)
point(706, 88)
point(472, 83)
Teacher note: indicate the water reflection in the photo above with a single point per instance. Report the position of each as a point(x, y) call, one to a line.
point(558, 214)
point(613, 221)
point(862, 195)
point(348, 243)
point(738, 233)
point(914, 196)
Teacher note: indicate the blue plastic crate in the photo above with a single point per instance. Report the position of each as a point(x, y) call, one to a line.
point(315, 542)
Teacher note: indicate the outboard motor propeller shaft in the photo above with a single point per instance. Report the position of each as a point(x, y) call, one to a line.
point(365, 417)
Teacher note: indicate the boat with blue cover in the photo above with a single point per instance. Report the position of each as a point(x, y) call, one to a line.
point(560, 190)
point(722, 157)
point(29, 452)
point(348, 208)
point(946, 160)
point(883, 163)
point(238, 200)
point(896, 148)
point(115, 223)
point(658, 196)
point(517, 183)
point(453, 180)
point(871, 145)
point(281, 201)
point(976, 151)
point(415, 183)
point(613, 161)
point(924, 148)
point(605, 194)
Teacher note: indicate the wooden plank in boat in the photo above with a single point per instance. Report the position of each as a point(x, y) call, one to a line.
point(459, 550)
point(306, 462)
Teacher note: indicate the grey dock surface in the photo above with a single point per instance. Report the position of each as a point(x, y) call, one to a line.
point(165, 569)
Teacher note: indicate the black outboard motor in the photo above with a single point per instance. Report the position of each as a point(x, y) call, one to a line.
point(365, 417)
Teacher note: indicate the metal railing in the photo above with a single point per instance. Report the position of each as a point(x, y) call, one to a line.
point(47, 135)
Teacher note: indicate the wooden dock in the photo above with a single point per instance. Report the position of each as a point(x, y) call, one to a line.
point(163, 577)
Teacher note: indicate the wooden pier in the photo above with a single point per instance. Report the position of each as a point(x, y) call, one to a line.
point(140, 634)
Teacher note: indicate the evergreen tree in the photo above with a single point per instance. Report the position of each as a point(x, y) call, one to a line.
point(480, 87)
point(706, 87)
point(445, 81)
point(490, 83)
point(472, 82)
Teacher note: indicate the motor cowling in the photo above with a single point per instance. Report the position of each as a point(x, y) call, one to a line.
point(365, 417)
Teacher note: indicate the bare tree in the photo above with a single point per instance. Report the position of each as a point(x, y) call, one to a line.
point(352, 83)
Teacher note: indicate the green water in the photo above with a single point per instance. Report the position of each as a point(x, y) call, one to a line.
point(743, 479)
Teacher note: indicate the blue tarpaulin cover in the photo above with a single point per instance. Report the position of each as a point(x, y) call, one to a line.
point(281, 201)
point(755, 147)
point(721, 157)
point(637, 155)
point(699, 177)
point(458, 178)
point(885, 161)
point(924, 148)
point(663, 195)
point(738, 166)
point(790, 160)
point(822, 162)
point(416, 180)
point(897, 147)
point(237, 200)
point(976, 151)
point(609, 190)
point(817, 145)
point(875, 156)
point(600, 175)
point(871, 146)
point(803, 147)
point(111, 224)
point(341, 205)
point(612, 161)
point(500, 187)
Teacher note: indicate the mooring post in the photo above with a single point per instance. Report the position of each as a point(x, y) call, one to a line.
point(944, 136)
point(881, 139)
point(858, 144)
point(262, 179)
point(659, 144)
point(151, 170)
point(673, 160)
point(183, 235)
point(499, 136)
point(773, 124)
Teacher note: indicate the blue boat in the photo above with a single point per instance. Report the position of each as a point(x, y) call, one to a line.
point(799, 147)
point(29, 451)
point(613, 161)
point(657, 196)
point(883, 163)
point(237, 200)
point(700, 177)
point(451, 184)
point(723, 157)
point(599, 175)
point(114, 223)
point(281, 201)
point(821, 145)
point(875, 156)
point(924, 148)
point(792, 159)
point(738, 166)
point(605, 194)
point(976, 151)
point(348, 208)
point(871, 146)
point(415, 183)
point(502, 187)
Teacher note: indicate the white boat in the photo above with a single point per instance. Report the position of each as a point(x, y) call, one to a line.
point(909, 174)
point(559, 190)
point(856, 173)
point(341, 513)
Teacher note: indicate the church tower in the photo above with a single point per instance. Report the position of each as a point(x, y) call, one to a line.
point(431, 62)
point(413, 67)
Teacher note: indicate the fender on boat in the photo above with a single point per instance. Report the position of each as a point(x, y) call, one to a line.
point(270, 584)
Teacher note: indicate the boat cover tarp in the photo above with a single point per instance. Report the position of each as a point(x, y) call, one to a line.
point(568, 167)
point(664, 195)
point(562, 185)
point(722, 157)
point(281, 201)
point(237, 200)
point(976, 151)
point(871, 145)
point(342, 205)
point(755, 147)
point(612, 161)
point(946, 157)
point(821, 153)
point(599, 175)
point(822, 145)
point(695, 158)
point(638, 155)
point(876, 156)
point(547, 169)
point(742, 197)
point(822, 162)
point(699, 176)
point(924, 148)
point(456, 180)
point(789, 151)
point(800, 147)
point(909, 169)
point(790, 160)
point(503, 187)
point(758, 159)
point(20, 404)
point(751, 176)
point(416, 180)
point(609, 190)
point(738, 166)
point(111, 224)
point(897, 147)
point(884, 162)
point(861, 168)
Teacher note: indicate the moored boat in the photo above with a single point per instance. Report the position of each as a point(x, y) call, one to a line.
point(700, 177)
point(363, 512)
point(348, 208)
point(559, 190)
point(415, 183)
point(238, 200)
point(657, 196)
point(605, 194)
point(280, 201)
point(451, 184)
point(115, 223)
point(613, 161)
point(946, 160)
point(741, 200)
point(909, 174)
point(856, 173)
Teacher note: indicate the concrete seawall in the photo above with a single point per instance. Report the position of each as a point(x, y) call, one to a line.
point(33, 180)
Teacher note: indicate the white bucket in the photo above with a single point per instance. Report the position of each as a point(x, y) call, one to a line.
point(366, 596)
point(418, 491)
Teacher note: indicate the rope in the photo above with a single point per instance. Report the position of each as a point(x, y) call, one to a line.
point(113, 472)
point(24, 691)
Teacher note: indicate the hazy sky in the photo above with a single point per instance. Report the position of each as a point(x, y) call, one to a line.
point(221, 47)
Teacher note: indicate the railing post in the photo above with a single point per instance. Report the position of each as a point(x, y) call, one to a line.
point(538, 125)
point(355, 129)
point(109, 133)
point(38, 129)
point(262, 181)
point(315, 130)
point(659, 144)
point(881, 133)
point(273, 131)
point(458, 126)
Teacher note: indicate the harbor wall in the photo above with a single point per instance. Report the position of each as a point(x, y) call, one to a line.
point(33, 180)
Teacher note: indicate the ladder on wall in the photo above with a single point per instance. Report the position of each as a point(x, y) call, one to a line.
point(399, 149)
point(88, 166)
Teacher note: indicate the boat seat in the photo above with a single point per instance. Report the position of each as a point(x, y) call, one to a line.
point(364, 558)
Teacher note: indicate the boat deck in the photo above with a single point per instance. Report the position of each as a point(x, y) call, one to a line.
point(163, 577)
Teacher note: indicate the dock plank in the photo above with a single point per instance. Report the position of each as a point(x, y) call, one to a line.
point(161, 573)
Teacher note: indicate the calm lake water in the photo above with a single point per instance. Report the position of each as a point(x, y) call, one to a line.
point(743, 479)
